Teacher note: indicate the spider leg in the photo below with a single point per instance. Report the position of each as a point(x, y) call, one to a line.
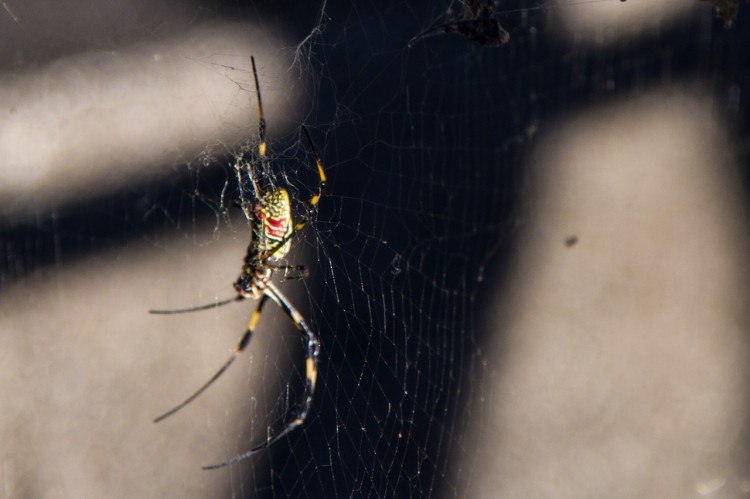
point(244, 341)
point(313, 346)
point(261, 119)
point(200, 307)
point(322, 185)
point(300, 269)
point(243, 165)
point(311, 375)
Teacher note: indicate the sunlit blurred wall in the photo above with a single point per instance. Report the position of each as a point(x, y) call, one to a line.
point(619, 364)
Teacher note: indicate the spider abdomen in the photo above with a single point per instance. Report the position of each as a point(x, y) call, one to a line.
point(273, 224)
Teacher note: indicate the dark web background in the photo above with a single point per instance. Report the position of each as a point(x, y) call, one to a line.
point(425, 151)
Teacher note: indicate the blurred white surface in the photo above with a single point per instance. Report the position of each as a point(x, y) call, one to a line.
point(620, 362)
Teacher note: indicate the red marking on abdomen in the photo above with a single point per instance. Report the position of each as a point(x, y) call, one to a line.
point(276, 227)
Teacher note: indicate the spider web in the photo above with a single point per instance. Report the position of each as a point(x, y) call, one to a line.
point(426, 151)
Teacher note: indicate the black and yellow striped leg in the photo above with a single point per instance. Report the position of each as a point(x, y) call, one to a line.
point(323, 180)
point(313, 348)
point(244, 341)
point(261, 119)
point(311, 375)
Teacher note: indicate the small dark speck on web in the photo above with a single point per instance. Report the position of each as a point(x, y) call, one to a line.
point(571, 241)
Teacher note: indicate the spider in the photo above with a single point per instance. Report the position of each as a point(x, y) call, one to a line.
point(272, 232)
point(478, 23)
point(726, 10)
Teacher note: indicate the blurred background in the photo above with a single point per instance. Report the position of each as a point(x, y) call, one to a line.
point(528, 272)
